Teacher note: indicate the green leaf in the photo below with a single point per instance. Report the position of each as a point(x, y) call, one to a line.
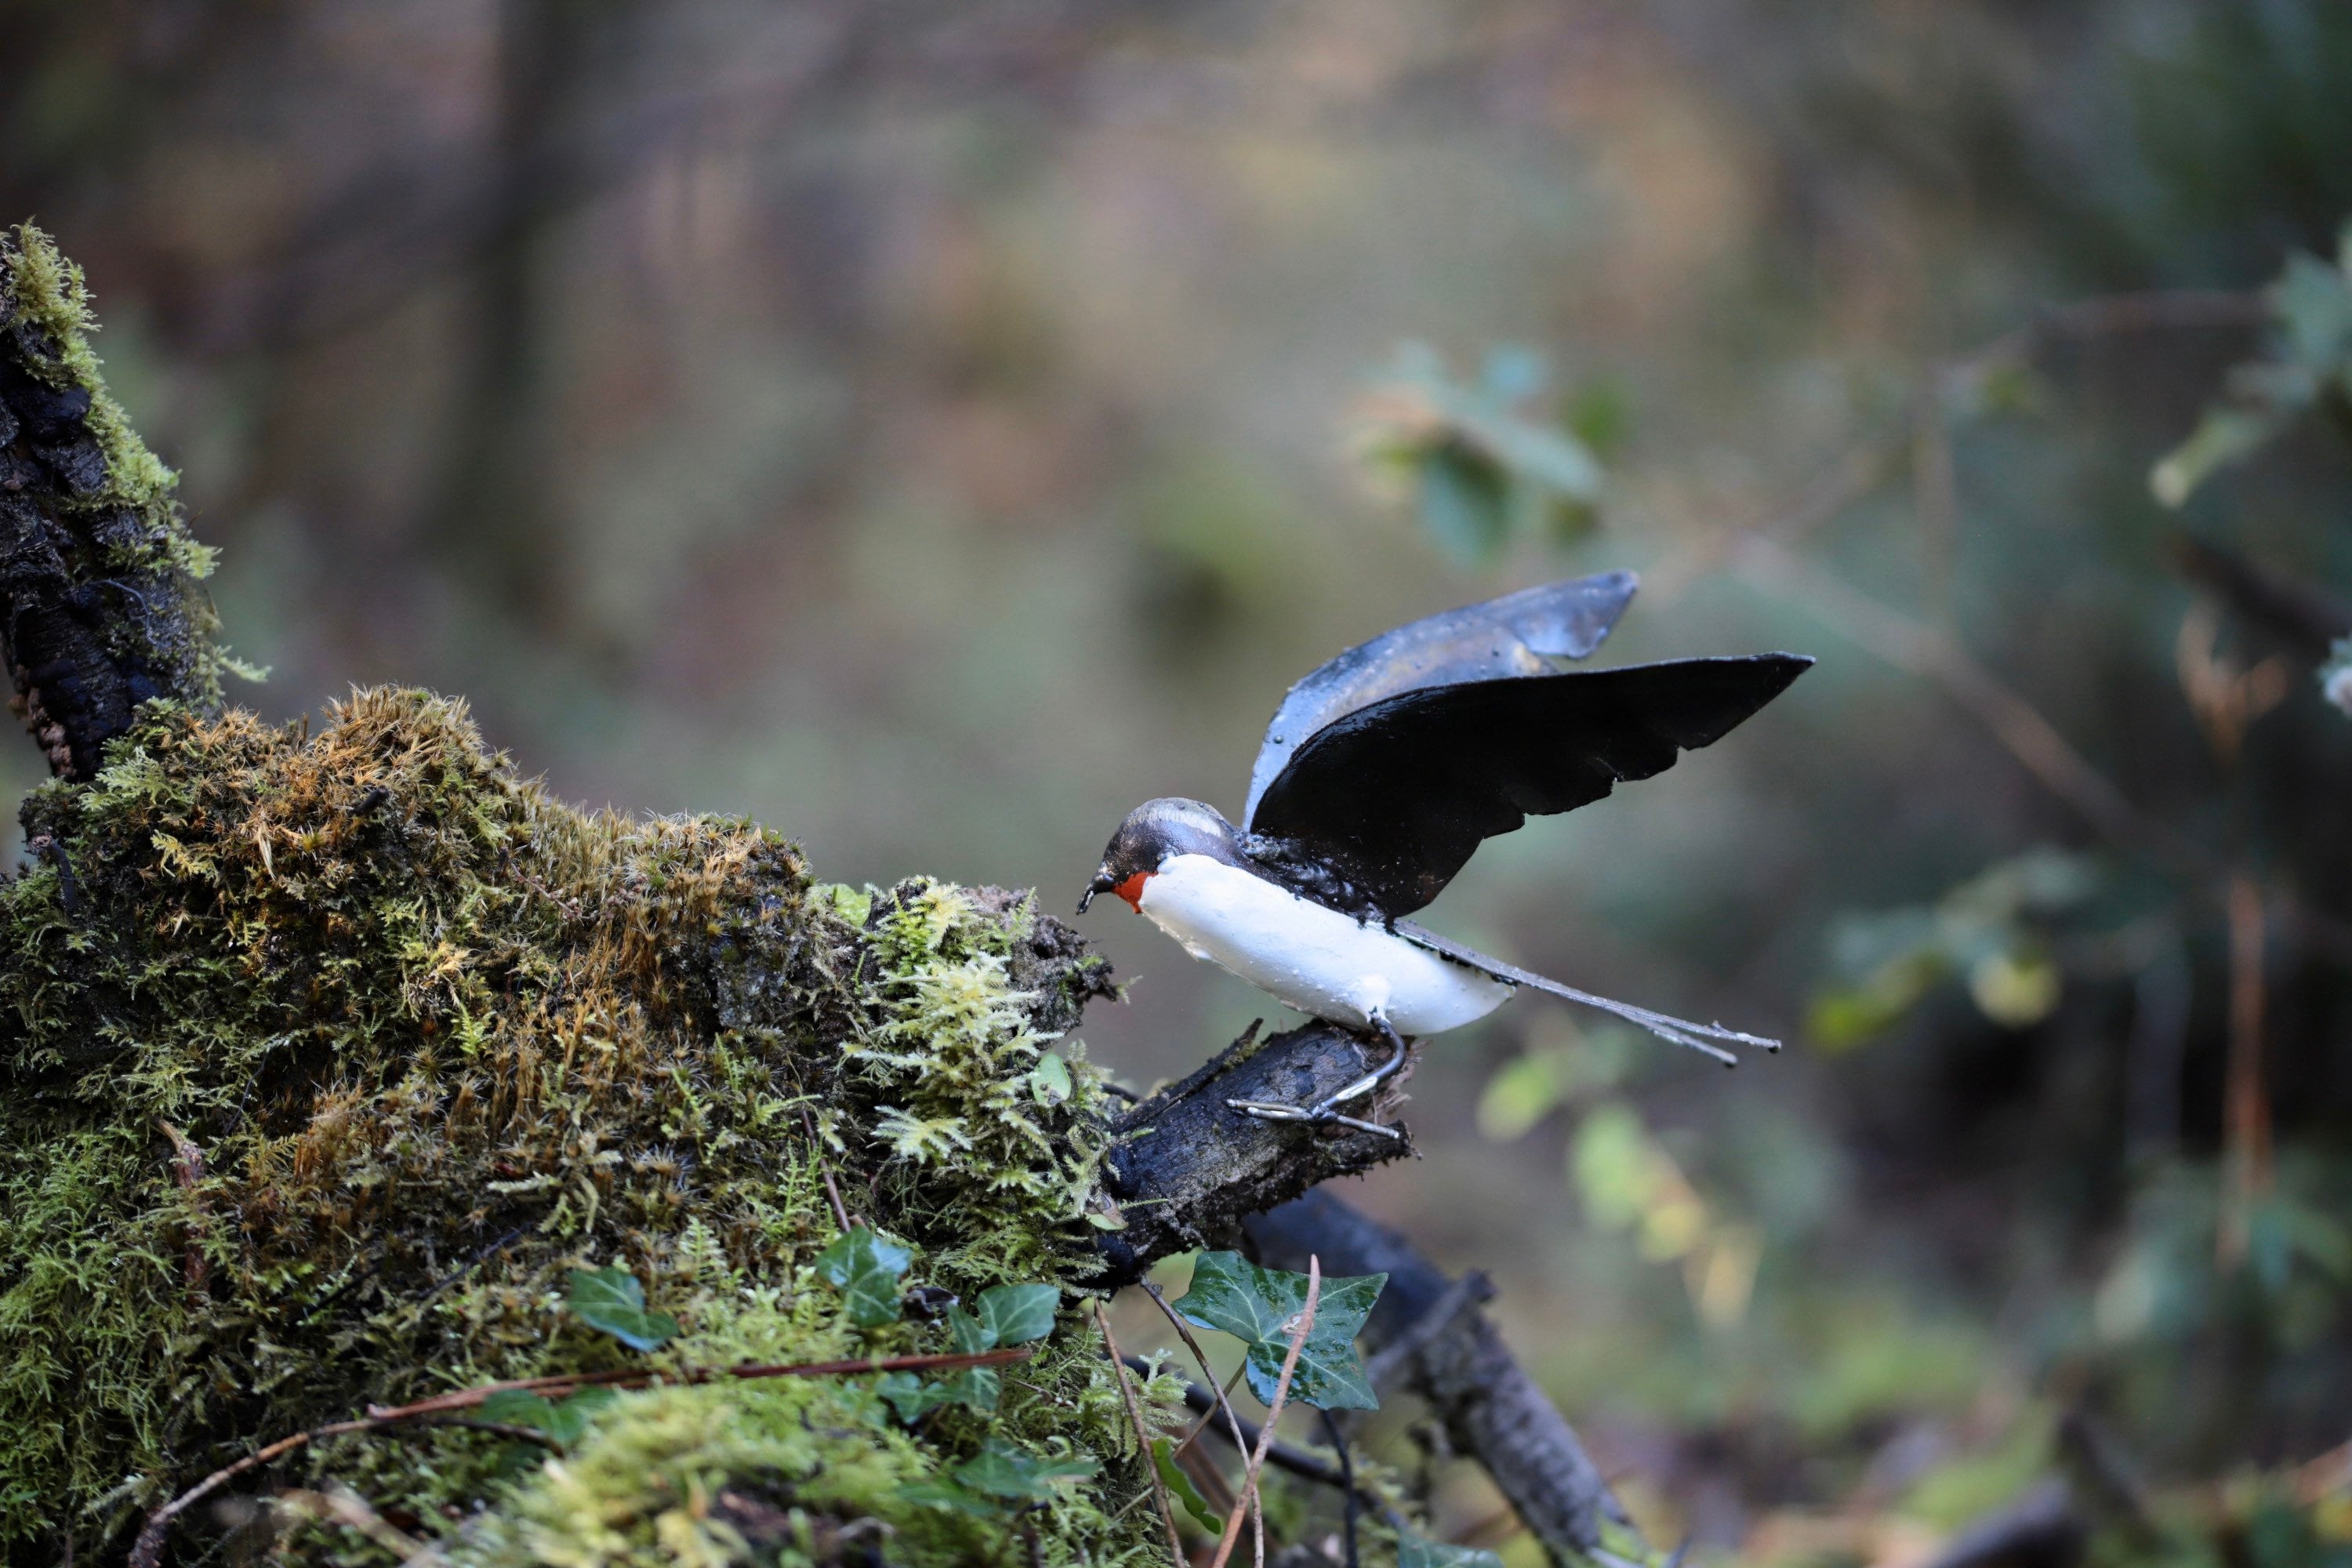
point(1464, 503)
point(1419, 1551)
point(1049, 1080)
point(1001, 1470)
point(519, 1407)
point(2310, 352)
point(913, 1398)
point(1016, 1314)
point(975, 1388)
point(1260, 1307)
point(968, 1334)
point(1179, 1486)
point(865, 1267)
point(2223, 437)
point(1520, 1095)
point(611, 1300)
point(565, 1422)
point(2015, 989)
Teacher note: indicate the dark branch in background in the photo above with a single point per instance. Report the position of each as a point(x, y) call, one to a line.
point(1452, 1357)
point(2305, 617)
point(99, 604)
point(1189, 1169)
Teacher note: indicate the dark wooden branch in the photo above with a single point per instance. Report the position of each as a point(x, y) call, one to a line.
point(2306, 618)
point(1451, 1355)
point(99, 608)
point(1190, 1168)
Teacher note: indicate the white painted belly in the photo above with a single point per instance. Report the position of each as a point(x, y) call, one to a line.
point(1322, 963)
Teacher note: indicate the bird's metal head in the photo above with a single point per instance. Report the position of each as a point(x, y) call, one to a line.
point(1152, 832)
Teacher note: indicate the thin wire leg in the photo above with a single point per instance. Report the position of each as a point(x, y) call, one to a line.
point(1325, 1112)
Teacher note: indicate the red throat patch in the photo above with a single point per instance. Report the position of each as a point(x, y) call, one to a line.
point(1132, 890)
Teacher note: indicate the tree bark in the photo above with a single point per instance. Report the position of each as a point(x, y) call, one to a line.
point(103, 610)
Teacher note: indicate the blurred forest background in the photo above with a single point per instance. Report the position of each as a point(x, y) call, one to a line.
point(932, 429)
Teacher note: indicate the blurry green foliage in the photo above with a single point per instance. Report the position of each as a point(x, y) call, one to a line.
point(2161, 1288)
point(1485, 461)
point(1990, 931)
point(1419, 1551)
point(1976, 1483)
point(2309, 365)
point(1543, 1077)
point(565, 1420)
point(613, 1299)
point(1629, 1182)
point(1002, 1474)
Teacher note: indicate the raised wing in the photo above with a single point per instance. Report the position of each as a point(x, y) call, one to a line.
point(1525, 633)
point(1396, 796)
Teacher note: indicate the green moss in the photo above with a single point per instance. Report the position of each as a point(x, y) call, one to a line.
point(49, 290)
point(323, 1061)
point(126, 530)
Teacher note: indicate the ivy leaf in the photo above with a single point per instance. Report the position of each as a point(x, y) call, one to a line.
point(975, 1388)
point(1179, 1486)
point(1261, 1306)
point(865, 1268)
point(968, 1334)
point(911, 1396)
point(611, 1300)
point(565, 1422)
point(1419, 1551)
point(1001, 1470)
point(1016, 1314)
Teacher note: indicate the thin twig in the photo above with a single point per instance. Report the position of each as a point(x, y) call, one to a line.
point(1347, 1480)
point(1299, 1462)
point(148, 1550)
point(1208, 1373)
point(1218, 1395)
point(1142, 1437)
point(2247, 1121)
point(816, 1150)
point(1273, 1415)
point(564, 1382)
point(188, 1169)
point(1926, 652)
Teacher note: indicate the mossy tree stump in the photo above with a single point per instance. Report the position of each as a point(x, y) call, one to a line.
point(330, 1062)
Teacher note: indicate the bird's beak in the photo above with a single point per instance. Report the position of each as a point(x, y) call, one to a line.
point(1101, 884)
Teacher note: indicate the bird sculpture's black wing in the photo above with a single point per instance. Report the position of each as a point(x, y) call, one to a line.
point(1397, 796)
point(1527, 633)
